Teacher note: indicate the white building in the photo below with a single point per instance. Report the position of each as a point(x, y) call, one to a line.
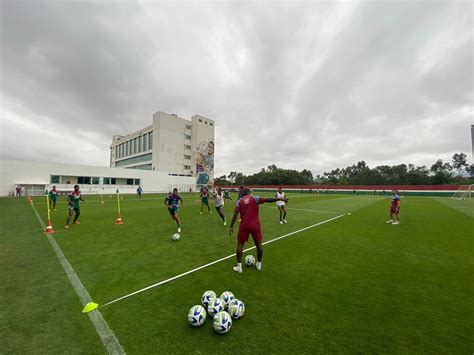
point(171, 144)
point(36, 177)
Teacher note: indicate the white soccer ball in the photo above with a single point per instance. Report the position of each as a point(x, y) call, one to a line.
point(175, 237)
point(207, 297)
point(215, 306)
point(226, 297)
point(196, 316)
point(250, 260)
point(236, 308)
point(222, 322)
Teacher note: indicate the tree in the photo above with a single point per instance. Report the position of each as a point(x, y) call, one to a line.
point(460, 162)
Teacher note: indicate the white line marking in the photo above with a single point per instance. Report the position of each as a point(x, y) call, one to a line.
point(106, 334)
point(215, 262)
point(301, 209)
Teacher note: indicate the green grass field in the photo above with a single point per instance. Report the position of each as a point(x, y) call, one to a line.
point(353, 284)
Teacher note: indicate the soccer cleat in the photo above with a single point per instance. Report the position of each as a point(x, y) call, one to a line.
point(284, 221)
point(389, 222)
point(66, 227)
point(259, 265)
point(225, 223)
point(281, 222)
point(55, 209)
point(200, 212)
point(76, 222)
point(179, 229)
point(237, 269)
point(397, 222)
point(210, 212)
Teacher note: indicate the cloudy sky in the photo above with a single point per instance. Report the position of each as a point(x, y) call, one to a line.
point(314, 85)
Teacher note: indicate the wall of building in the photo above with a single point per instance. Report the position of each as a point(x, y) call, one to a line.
point(203, 145)
point(37, 175)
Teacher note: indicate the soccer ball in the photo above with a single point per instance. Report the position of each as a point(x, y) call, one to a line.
point(222, 322)
point(197, 316)
point(175, 237)
point(236, 308)
point(207, 297)
point(215, 306)
point(226, 297)
point(250, 260)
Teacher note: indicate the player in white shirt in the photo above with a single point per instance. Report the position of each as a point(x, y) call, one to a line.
point(219, 201)
point(281, 205)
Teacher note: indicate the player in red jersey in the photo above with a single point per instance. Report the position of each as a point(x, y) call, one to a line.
point(248, 206)
point(394, 209)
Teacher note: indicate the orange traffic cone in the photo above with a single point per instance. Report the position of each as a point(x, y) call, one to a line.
point(49, 228)
point(119, 220)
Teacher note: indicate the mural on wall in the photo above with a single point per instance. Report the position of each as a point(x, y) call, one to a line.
point(205, 163)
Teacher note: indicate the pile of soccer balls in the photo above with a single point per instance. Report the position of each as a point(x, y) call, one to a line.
point(222, 310)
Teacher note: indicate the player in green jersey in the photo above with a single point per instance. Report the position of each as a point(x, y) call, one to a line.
point(73, 203)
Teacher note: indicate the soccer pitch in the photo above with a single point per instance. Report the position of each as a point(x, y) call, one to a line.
point(351, 284)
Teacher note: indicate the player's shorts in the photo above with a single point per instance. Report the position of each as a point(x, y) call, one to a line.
point(53, 199)
point(173, 211)
point(280, 204)
point(394, 209)
point(244, 233)
point(204, 200)
point(75, 209)
point(219, 207)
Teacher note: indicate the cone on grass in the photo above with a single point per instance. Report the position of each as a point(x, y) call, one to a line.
point(90, 307)
point(118, 220)
point(49, 228)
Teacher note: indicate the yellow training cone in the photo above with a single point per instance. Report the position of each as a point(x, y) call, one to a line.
point(90, 307)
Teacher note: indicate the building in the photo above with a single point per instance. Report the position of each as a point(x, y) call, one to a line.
point(472, 143)
point(36, 177)
point(171, 144)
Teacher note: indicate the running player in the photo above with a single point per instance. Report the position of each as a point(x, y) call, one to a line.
point(281, 205)
point(73, 203)
point(394, 209)
point(219, 201)
point(172, 202)
point(53, 197)
point(248, 206)
point(205, 198)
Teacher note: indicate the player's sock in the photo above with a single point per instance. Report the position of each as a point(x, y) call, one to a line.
point(238, 268)
point(259, 265)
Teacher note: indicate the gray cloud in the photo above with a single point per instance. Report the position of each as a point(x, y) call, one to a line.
point(301, 85)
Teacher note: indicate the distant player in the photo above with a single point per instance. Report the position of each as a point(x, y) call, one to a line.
point(139, 192)
point(172, 202)
point(205, 198)
point(394, 209)
point(18, 191)
point(227, 198)
point(73, 204)
point(248, 206)
point(219, 201)
point(53, 197)
point(281, 205)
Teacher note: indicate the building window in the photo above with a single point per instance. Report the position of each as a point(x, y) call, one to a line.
point(187, 126)
point(200, 120)
point(145, 145)
point(83, 180)
point(122, 150)
point(54, 179)
point(212, 124)
point(187, 136)
point(205, 122)
point(95, 180)
point(135, 145)
point(186, 146)
point(129, 181)
point(106, 181)
point(134, 160)
point(112, 181)
point(187, 157)
point(127, 152)
point(150, 140)
point(187, 167)
point(139, 144)
point(116, 151)
point(137, 181)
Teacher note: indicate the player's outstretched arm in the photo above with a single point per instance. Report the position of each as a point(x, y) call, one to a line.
point(234, 219)
point(275, 199)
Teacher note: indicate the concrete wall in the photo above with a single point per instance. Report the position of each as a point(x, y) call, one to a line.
point(14, 172)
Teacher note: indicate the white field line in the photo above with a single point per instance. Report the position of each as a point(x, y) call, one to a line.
point(216, 261)
point(300, 209)
point(106, 334)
